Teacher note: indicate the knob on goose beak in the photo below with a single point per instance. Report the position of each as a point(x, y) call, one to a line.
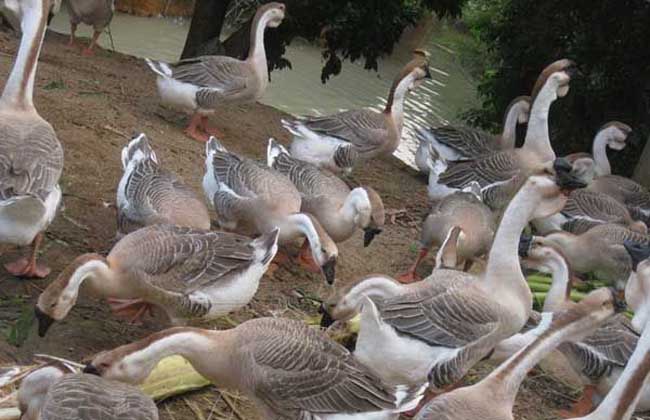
point(329, 270)
point(525, 243)
point(326, 319)
point(91, 370)
point(44, 321)
point(638, 252)
point(564, 177)
point(619, 300)
point(369, 234)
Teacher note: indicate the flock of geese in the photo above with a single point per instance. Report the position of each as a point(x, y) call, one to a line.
point(417, 338)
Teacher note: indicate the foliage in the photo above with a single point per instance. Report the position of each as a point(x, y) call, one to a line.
point(608, 40)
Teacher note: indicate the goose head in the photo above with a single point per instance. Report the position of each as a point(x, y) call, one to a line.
point(538, 256)
point(545, 193)
point(598, 305)
point(34, 387)
point(520, 106)
point(377, 217)
point(616, 134)
point(273, 12)
point(418, 69)
point(557, 76)
point(115, 364)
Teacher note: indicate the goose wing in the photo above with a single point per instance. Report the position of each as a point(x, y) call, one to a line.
point(486, 170)
point(468, 142)
point(300, 371)
point(310, 180)
point(595, 206)
point(364, 128)
point(226, 75)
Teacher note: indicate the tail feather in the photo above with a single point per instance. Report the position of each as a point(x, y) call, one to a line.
point(160, 68)
point(408, 397)
point(291, 126)
point(138, 149)
point(274, 150)
point(268, 245)
point(214, 145)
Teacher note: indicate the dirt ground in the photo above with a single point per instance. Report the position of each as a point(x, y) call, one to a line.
point(95, 105)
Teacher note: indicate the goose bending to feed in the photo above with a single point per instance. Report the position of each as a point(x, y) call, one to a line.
point(599, 250)
point(599, 358)
point(631, 391)
point(52, 393)
point(148, 194)
point(494, 397)
point(454, 143)
point(339, 142)
point(466, 211)
point(95, 13)
point(626, 191)
point(201, 85)
point(186, 272)
point(250, 196)
point(612, 135)
point(451, 320)
point(288, 369)
point(502, 166)
point(339, 210)
point(31, 157)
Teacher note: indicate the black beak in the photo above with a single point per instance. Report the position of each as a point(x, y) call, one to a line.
point(638, 252)
point(427, 73)
point(326, 320)
point(91, 370)
point(619, 300)
point(525, 243)
point(573, 71)
point(369, 234)
point(329, 270)
point(44, 321)
point(564, 177)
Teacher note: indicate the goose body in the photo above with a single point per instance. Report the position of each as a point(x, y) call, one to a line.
point(341, 141)
point(148, 194)
point(95, 13)
point(339, 210)
point(422, 326)
point(31, 156)
point(50, 394)
point(455, 143)
point(186, 272)
point(250, 196)
point(502, 166)
point(200, 85)
point(627, 192)
point(288, 369)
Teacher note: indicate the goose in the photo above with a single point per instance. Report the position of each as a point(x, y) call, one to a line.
point(631, 392)
point(149, 194)
point(188, 273)
point(201, 85)
point(31, 156)
point(599, 358)
point(95, 13)
point(612, 135)
point(339, 210)
point(494, 397)
point(502, 166)
point(454, 143)
point(626, 191)
point(251, 196)
point(288, 369)
point(599, 250)
point(585, 209)
point(53, 393)
point(466, 211)
point(339, 142)
point(451, 320)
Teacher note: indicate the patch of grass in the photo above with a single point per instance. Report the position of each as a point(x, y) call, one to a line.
point(19, 330)
point(54, 85)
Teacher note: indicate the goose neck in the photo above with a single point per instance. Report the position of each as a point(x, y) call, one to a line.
point(508, 135)
point(560, 286)
point(93, 271)
point(257, 51)
point(19, 89)
point(395, 103)
point(372, 287)
point(599, 152)
point(356, 208)
point(537, 136)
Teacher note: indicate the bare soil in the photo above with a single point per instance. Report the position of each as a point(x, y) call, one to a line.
point(95, 105)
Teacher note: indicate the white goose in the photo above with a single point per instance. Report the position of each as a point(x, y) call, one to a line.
point(612, 135)
point(31, 157)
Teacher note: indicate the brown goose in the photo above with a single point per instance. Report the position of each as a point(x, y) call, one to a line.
point(626, 191)
point(51, 393)
point(188, 273)
point(149, 194)
point(340, 141)
point(96, 13)
point(494, 397)
point(339, 210)
point(288, 369)
point(201, 85)
point(31, 157)
point(454, 143)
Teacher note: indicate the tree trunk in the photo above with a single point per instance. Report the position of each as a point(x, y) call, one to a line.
point(206, 25)
point(642, 171)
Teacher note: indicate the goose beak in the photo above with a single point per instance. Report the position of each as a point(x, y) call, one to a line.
point(619, 300)
point(44, 321)
point(329, 270)
point(326, 319)
point(427, 73)
point(637, 252)
point(525, 243)
point(91, 370)
point(565, 179)
point(369, 234)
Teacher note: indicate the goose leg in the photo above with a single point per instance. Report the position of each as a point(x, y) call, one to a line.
point(73, 30)
point(209, 129)
point(132, 310)
point(195, 128)
point(306, 260)
point(28, 267)
point(583, 406)
point(411, 275)
point(88, 51)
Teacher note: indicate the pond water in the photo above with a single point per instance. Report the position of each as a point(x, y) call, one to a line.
point(300, 91)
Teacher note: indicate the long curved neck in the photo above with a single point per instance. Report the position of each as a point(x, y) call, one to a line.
point(356, 207)
point(537, 136)
point(256, 50)
point(308, 226)
point(560, 287)
point(599, 151)
point(92, 269)
point(508, 135)
point(19, 90)
point(374, 286)
point(621, 400)
point(395, 102)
